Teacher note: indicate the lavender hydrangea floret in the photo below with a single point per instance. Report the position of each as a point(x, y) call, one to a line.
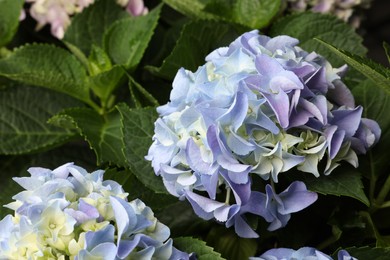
point(304, 253)
point(261, 106)
point(70, 213)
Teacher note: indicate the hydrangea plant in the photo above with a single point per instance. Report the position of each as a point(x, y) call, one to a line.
point(259, 107)
point(68, 213)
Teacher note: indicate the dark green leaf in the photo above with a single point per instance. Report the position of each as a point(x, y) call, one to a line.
point(196, 41)
point(23, 115)
point(203, 252)
point(249, 13)
point(374, 71)
point(187, 223)
point(126, 40)
point(230, 245)
point(192, 8)
point(255, 14)
point(87, 27)
point(10, 11)
point(137, 190)
point(47, 66)
point(369, 253)
point(138, 129)
point(140, 96)
point(103, 134)
point(307, 26)
point(341, 182)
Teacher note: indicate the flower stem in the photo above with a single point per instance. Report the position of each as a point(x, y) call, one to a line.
point(383, 192)
point(372, 179)
point(228, 190)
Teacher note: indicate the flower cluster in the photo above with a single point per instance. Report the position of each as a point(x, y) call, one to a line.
point(304, 253)
point(343, 9)
point(256, 108)
point(58, 13)
point(68, 213)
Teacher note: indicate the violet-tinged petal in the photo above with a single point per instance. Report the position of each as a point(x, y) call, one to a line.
point(344, 255)
point(195, 160)
point(241, 191)
point(203, 207)
point(347, 120)
point(341, 95)
point(243, 229)
point(236, 113)
point(105, 235)
point(296, 197)
point(124, 215)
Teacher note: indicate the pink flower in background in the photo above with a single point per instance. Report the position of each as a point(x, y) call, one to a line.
point(58, 13)
point(343, 9)
point(134, 7)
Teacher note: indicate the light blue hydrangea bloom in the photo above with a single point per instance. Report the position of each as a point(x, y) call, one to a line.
point(68, 213)
point(261, 106)
point(304, 253)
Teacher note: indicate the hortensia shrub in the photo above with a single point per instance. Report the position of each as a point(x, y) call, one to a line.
point(253, 112)
point(68, 213)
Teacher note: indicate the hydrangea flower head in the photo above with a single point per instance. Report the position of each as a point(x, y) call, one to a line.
point(261, 106)
point(71, 213)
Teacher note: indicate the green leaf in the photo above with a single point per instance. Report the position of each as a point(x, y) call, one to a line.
point(47, 66)
point(126, 40)
point(87, 28)
point(10, 11)
point(103, 134)
point(372, 70)
point(192, 8)
point(140, 96)
point(307, 26)
point(386, 46)
point(106, 82)
point(197, 39)
point(187, 223)
point(255, 14)
point(369, 253)
point(98, 61)
point(230, 245)
point(249, 13)
point(203, 252)
point(137, 190)
point(341, 182)
point(138, 129)
point(23, 115)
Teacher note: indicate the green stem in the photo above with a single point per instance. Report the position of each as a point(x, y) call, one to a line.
point(385, 205)
point(372, 179)
point(228, 190)
point(95, 106)
point(383, 192)
point(368, 218)
point(336, 234)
